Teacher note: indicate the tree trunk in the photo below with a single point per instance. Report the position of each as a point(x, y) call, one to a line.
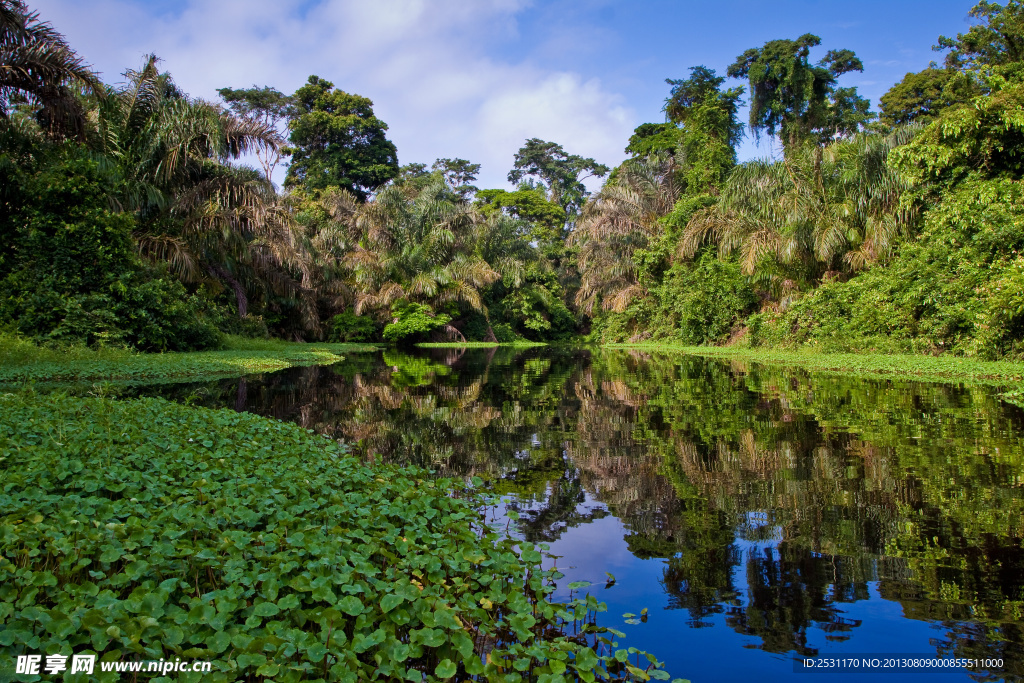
point(241, 396)
point(240, 295)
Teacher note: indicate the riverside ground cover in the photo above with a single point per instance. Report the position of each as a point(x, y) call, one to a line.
point(932, 368)
point(142, 529)
point(23, 361)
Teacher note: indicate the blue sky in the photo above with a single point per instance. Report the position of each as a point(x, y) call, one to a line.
point(475, 78)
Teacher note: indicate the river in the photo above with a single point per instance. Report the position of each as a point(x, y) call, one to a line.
point(761, 516)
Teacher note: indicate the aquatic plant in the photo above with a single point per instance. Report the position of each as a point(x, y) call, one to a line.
point(145, 530)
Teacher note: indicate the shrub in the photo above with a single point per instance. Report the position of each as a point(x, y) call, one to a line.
point(953, 288)
point(705, 300)
point(349, 327)
point(70, 274)
point(413, 322)
point(133, 311)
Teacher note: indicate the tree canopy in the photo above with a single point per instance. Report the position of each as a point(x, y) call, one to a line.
point(337, 141)
point(266, 105)
point(997, 39)
point(560, 172)
point(799, 100)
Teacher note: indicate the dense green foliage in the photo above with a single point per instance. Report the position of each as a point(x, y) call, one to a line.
point(412, 322)
point(143, 529)
point(856, 211)
point(918, 98)
point(69, 272)
point(899, 236)
point(348, 327)
point(337, 141)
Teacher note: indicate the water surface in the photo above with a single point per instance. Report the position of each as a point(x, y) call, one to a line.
point(759, 514)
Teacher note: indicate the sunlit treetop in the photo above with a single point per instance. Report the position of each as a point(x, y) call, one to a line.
point(799, 100)
point(997, 39)
point(653, 138)
point(919, 97)
point(561, 172)
point(337, 141)
point(459, 174)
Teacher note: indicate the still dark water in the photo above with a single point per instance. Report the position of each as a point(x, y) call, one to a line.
point(759, 514)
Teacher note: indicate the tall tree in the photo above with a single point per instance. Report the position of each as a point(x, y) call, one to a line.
point(270, 107)
point(918, 98)
point(459, 174)
point(37, 67)
point(710, 125)
point(653, 138)
point(337, 141)
point(798, 100)
point(209, 220)
point(528, 204)
point(997, 39)
point(817, 211)
point(624, 217)
point(421, 250)
point(562, 173)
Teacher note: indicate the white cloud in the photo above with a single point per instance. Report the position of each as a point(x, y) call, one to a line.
point(582, 116)
point(428, 65)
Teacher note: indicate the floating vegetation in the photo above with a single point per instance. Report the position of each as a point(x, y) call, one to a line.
point(143, 529)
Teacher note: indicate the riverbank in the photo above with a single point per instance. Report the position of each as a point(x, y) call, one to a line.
point(21, 361)
point(932, 368)
point(144, 529)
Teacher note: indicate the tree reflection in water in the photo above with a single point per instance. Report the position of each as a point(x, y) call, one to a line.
point(774, 496)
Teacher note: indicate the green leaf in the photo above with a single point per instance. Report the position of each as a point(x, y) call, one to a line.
point(390, 601)
point(288, 602)
point(351, 605)
point(218, 642)
point(266, 609)
point(446, 669)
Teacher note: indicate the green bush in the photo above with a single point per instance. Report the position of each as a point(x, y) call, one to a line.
point(145, 530)
point(413, 322)
point(251, 326)
point(59, 226)
point(954, 288)
point(504, 333)
point(69, 273)
point(349, 327)
point(699, 302)
point(134, 312)
point(705, 300)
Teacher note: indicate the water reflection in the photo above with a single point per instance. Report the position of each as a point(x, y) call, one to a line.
point(800, 513)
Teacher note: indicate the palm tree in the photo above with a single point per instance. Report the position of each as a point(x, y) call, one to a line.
point(620, 219)
point(326, 235)
point(819, 212)
point(38, 68)
point(419, 249)
point(209, 220)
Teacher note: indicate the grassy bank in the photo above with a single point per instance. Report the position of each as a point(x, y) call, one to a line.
point(913, 366)
point(22, 361)
point(144, 529)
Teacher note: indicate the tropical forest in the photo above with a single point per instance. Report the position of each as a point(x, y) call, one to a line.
point(278, 406)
